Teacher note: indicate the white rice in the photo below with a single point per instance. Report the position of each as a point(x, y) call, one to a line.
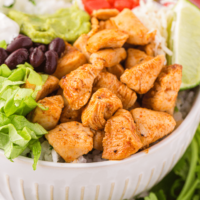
point(155, 17)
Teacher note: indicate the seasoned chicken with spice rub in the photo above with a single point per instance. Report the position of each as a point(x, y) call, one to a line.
point(68, 114)
point(110, 81)
point(108, 38)
point(104, 14)
point(70, 60)
point(50, 85)
point(81, 43)
point(117, 70)
point(77, 86)
point(138, 33)
point(71, 140)
point(111, 57)
point(141, 78)
point(162, 97)
point(121, 139)
point(49, 117)
point(98, 140)
point(135, 57)
point(152, 125)
point(101, 107)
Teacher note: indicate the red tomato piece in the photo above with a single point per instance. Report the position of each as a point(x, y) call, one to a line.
point(135, 3)
point(196, 2)
point(121, 4)
point(111, 2)
point(91, 5)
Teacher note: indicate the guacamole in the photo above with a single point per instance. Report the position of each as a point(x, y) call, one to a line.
point(66, 23)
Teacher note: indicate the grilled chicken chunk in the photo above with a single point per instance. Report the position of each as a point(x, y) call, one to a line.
point(141, 78)
point(138, 33)
point(149, 49)
point(162, 97)
point(70, 60)
point(104, 14)
point(108, 38)
point(117, 70)
point(111, 57)
point(48, 118)
point(121, 139)
point(71, 140)
point(51, 84)
point(152, 125)
point(135, 57)
point(110, 81)
point(68, 114)
point(77, 85)
point(81, 43)
point(101, 107)
point(95, 27)
point(98, 140)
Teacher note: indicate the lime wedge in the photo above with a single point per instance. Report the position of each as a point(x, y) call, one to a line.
point(185, 42)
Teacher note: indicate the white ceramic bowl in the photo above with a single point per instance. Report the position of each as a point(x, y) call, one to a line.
point(110, 180)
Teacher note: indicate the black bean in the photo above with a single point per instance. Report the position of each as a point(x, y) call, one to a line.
point(42, 47)
point(51, 62)
point(57, 45)
point(3, 55)
point(20, 42)
point(31, 50)
point(17, 57)
point(19, 36)
point(36, 57)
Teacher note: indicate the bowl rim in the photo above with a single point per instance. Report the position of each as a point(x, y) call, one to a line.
point(195, 108)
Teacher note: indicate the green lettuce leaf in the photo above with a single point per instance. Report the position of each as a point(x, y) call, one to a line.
point(3, 44)
point(17, 133)
point(36, 149)
point(5, 71)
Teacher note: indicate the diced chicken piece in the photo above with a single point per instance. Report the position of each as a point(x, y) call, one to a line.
point(101, 107)
point(94, 21)
point(95, 27)
point(110, 24)
point(48, 118)
point(110, 81)
point(70, 60)
point(135, 57)
point(152, 125)
point(121, 139)
point(77, 85)
point(108, 38)
point(138, 33)
point(117, 70)
point(149, 49)
point(141, 78)
point(136, 105)
point(68, 114)
point(51, 84)
point(111, 57)
point(80, 44)
point(162, 97)
point(71, 140)
point(104, 14)
point(98, 140)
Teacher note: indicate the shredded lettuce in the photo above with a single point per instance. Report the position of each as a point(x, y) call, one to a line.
point(3, 44)
point(16, 132)
point(183, 182)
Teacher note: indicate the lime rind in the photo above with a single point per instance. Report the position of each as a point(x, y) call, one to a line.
point(185, 42)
